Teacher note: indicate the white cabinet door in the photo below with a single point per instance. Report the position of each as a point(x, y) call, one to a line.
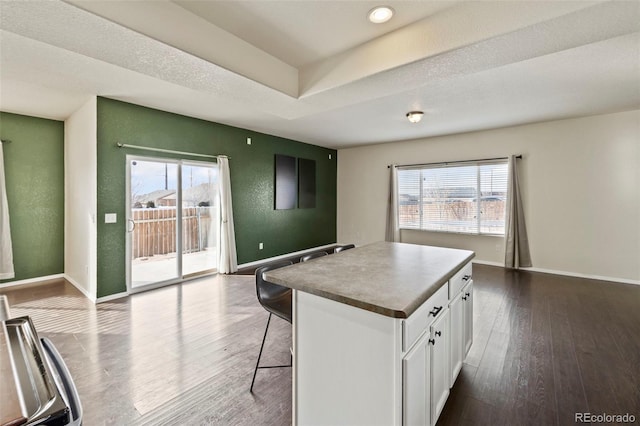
point(415, 371)
point(467, 298)
point(440, 372)
point(456, 336)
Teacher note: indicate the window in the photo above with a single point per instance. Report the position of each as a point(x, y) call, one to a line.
point(465, 198)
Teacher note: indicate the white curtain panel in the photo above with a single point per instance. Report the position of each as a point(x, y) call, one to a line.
point(393, 226)
point(6, 252)
point(516, 252)
point(228, 260)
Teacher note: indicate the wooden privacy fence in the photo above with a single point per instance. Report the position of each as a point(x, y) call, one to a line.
point(155, 230)
point(450, 211)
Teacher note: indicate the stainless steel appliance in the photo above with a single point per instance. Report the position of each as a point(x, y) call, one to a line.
point(35, 383)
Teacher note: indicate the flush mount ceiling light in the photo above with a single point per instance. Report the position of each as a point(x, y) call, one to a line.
point(380, 14)
point(415, 116)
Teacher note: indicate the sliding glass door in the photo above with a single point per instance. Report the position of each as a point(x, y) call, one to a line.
point(152, 221)
point(199, 218)
point(172, 220)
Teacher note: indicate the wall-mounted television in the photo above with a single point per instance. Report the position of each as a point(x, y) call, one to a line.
point(286, 182)
point(306, 183)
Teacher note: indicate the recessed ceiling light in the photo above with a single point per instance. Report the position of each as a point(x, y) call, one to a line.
point(415, 116)
point(380, 14)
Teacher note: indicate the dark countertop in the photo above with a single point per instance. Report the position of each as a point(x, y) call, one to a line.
point(391, 279)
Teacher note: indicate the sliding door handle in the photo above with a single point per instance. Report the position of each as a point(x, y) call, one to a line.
point(132, 226)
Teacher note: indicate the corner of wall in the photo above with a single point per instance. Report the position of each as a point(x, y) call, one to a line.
point(80, 141)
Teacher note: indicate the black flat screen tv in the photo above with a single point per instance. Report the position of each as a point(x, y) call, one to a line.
point(306, 183)
point(286, 182)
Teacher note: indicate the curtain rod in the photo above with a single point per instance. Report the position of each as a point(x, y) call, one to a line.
point(169, 151)
point(455, 162)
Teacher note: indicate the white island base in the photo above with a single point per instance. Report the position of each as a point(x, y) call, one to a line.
point(356, 367)
point(379, 333)
point(347, 368)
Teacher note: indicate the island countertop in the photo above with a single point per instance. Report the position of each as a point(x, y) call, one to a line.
point(391, 279)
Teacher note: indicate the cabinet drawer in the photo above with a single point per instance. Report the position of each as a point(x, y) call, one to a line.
point(459, 280)
point(420, 320)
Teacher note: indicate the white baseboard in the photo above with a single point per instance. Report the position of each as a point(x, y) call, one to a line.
point(564, 273)
point(112, 297)
point(579, 275)
point(37, 280)
point(484, 262)
point(80, 288)
point(284, 256)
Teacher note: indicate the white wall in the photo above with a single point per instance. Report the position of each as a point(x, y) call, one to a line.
point(80, 138)
point(580, 181)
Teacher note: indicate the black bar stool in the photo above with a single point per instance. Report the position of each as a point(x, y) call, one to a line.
point(276, 299)
point(343, 248)
point(313, 255)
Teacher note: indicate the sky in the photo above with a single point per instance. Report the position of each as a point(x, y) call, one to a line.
point(149, 176)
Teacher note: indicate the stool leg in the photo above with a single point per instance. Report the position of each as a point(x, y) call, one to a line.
point(260, 354)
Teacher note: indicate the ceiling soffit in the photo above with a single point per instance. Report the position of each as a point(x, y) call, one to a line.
point(304, 32)
point(454, 28)
point(427, 50)
point(599, 23)
point(175, 26)
point(469, 67)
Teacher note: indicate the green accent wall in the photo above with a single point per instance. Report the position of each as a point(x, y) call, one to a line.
point(252, 183)
point(34, 173)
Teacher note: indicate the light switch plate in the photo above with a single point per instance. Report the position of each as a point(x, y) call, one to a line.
point(110, 218)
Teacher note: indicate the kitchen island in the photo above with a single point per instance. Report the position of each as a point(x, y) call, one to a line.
point(379, 333)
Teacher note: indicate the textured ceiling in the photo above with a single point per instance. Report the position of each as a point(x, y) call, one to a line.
point(317, 71)
point(302, 32)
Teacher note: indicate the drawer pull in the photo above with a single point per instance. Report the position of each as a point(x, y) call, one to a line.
point(464, 297)
point(466, 278)
point(467, 294)
point(438, 333)
point(436, 311)
point(432, 341)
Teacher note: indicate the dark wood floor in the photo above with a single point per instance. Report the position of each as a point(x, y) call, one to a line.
point(180, 355)
point(545, 347)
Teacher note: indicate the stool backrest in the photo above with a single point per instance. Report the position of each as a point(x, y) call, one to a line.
point(273, 297)
point(313, 255)
point(343, 248)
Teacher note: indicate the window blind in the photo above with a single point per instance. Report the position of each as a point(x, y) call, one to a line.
point(461, 198)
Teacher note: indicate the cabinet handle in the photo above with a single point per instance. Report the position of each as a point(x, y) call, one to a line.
point(438, 333)
point(435, 311)
point(464, 297)
point(466, 278)
point(467, 294)
point(432, 341)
